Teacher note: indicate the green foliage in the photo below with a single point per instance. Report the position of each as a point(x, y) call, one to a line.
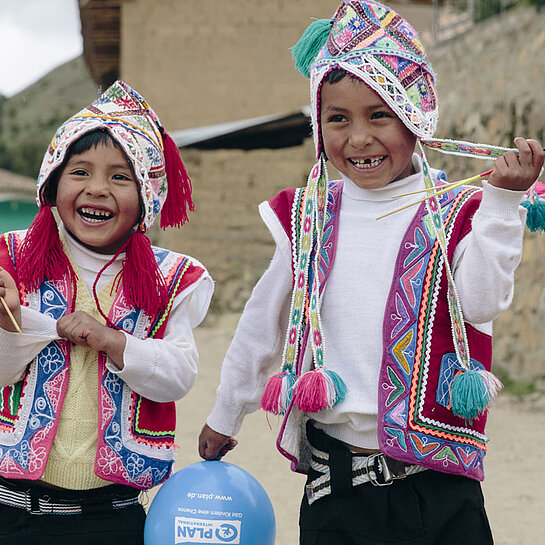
point(517, 387)
point(539, 4)
point(488, 8)
point(29, 119)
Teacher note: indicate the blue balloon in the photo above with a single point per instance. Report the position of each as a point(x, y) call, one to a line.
point(211, 502)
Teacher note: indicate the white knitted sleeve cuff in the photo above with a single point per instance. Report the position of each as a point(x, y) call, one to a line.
point(502, 203)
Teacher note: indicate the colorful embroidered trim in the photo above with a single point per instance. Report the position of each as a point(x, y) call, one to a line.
point(173, 293)
point(424, 338)
point(465, 149)
point(433, 206)
point(307, 233)
point(143, 432)
point(318, 388)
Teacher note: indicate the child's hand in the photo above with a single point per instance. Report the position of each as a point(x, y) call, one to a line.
point(213, 444)
point(518, 172)
point(10, 293)
point(81, 328)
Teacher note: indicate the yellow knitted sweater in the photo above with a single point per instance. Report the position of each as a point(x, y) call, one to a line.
point(72, 457)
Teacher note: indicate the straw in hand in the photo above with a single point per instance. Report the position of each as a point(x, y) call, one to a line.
point(10, 315)
point(442, 189)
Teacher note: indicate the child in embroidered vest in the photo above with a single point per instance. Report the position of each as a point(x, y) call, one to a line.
point(105, 347)
point(385, 375)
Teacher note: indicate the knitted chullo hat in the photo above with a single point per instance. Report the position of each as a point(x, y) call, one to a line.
point(374, 44)
point(162, 183)
point(377, 46)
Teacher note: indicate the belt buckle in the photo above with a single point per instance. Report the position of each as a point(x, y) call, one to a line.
point(378, 471)
point(35, 508)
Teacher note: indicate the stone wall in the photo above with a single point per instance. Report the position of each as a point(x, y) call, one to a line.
point(491, 84)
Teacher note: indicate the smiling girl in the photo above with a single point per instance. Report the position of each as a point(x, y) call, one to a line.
point(87, 410)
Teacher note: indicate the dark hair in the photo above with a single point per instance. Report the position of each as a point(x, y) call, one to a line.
point(92, 139)
point(336, 75)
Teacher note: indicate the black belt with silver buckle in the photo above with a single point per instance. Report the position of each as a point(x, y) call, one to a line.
point(337, 469)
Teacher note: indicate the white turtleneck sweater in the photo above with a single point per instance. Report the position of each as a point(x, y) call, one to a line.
point(354, 301)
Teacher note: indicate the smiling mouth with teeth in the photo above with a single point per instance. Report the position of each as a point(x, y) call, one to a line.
point(368, 163)
point(94, 215)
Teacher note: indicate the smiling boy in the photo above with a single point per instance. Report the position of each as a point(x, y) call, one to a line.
point(362, 137)
point(385, 364)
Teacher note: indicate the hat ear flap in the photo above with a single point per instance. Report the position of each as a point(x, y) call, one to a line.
point(307, 48)
point(41, 256)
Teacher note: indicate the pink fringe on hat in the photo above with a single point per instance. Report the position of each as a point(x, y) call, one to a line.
point(178, 201)
point(143, 283)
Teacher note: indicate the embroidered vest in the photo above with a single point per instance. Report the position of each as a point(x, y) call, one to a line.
point(415, 423)
point(135, 434)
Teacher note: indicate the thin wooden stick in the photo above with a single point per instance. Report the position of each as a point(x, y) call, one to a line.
point(444, 186)
point(11, 317)
point(436, 194)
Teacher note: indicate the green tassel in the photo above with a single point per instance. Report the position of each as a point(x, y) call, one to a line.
point(307, 48)
point(535, 220)
point(472, 393)
point(338, 385)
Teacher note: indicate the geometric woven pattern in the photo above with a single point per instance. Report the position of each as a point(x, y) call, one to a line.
point(134, 126)
point(419, 361)
point(379, 47)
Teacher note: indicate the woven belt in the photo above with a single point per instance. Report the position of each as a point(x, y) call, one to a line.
point(365, 469)
point(44, 505)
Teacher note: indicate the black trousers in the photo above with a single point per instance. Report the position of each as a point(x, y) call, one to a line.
point(428, 508)
point(97, 524)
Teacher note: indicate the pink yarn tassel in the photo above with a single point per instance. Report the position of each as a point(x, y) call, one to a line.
point(41, 255)
point(318, 389)
point(278, 392)
point(143, 283)
point(311, 391)
point(178, 201)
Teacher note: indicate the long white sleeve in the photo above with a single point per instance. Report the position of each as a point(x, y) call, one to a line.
point(166, 369)
point(17, 351)
point(159, 369)
point(484, 262)
point(255, 351)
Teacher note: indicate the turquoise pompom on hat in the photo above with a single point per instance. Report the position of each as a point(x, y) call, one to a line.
point(376, 45)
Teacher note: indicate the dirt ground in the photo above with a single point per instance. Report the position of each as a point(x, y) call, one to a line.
point(514, 485)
